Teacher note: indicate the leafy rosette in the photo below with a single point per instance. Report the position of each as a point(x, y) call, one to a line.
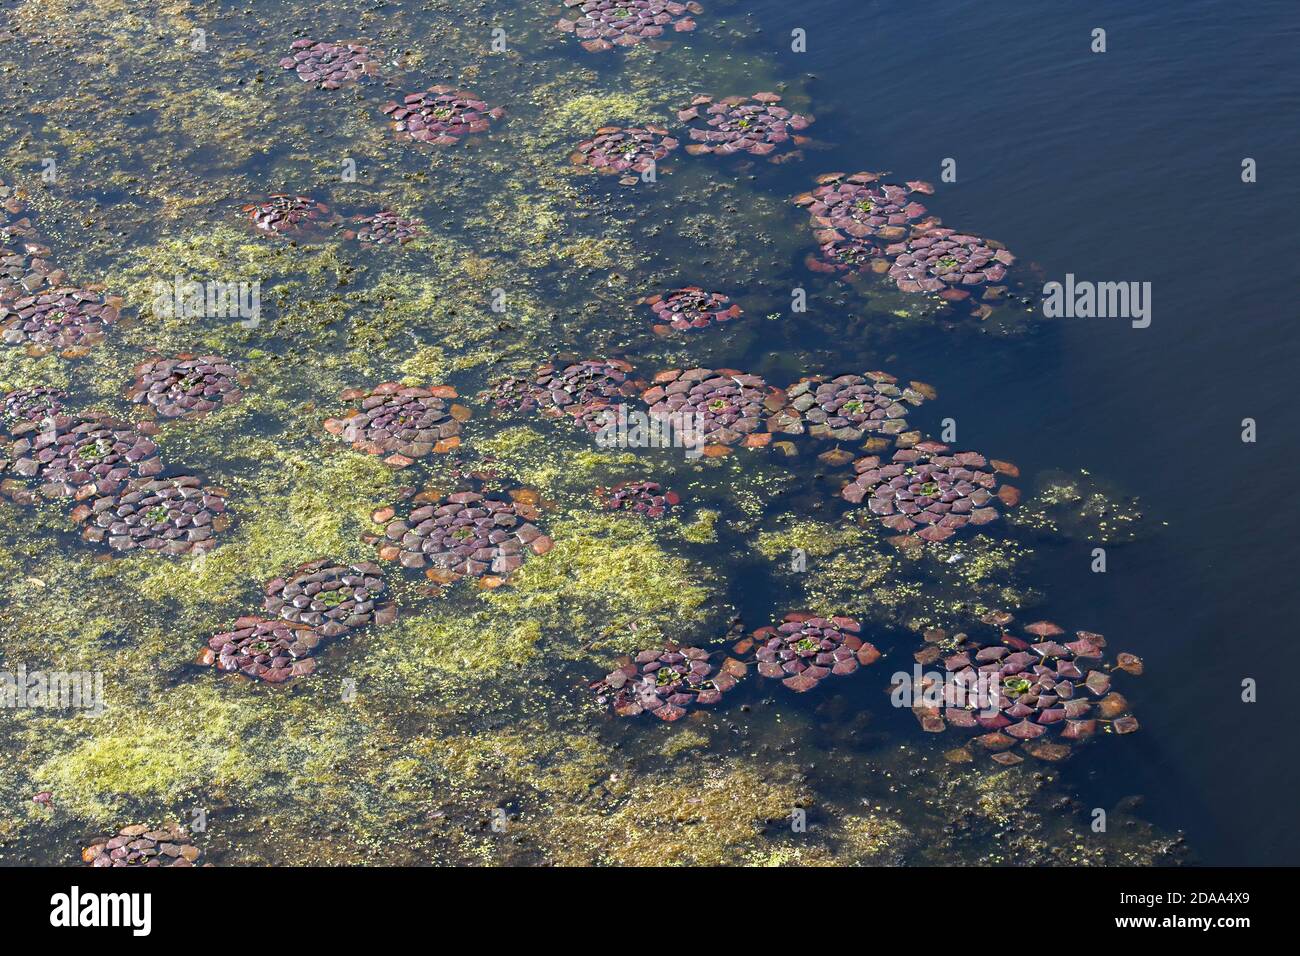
point(803, 650)
point(329, 597)
point(1040, 691)
point(931, 488)
point(667, 683)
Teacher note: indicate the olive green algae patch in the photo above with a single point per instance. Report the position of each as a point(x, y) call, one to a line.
point(307, 507)
point(608, 582)
point(183, 743)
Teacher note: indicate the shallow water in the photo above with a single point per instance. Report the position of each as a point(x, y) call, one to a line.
point(1118, 166)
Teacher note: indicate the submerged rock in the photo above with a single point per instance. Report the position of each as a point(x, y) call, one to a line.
point(185, 386)
point(605, 24)
point(752, 124)
point(442, 115)
point(143, 845)
point(667, 683)
point(926, 487)
point(691, 308)
point(804, 649)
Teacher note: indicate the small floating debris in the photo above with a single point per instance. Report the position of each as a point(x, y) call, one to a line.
point(690, 308)
point(143, 845)
point(587, 392)
point(404, 422)
point(91, 451)
point(627, 152)
point(170, 515)
point(443, 115)
point(384, 227)
point(639, 497)
point(330, 65)
point(465, 534)
point(185, 386)
point(605, 24)
point(947, 262)
point(330, 598)
point(269, 650)
point(285, 215)
point(929, 488)
point(667, 683)
point(848, 407)
point(726, 407)
point(59, 318)
point(751, 124)
point(804, 649)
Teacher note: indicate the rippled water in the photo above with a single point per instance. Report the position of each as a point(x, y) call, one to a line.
point(1122, 166)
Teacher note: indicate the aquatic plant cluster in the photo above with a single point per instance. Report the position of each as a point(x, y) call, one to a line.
point(1043, 687)
point(926, 487)
point(384, 227)
point(125, 498)
point(800, 651)
point(330, 65)
point(859, 221)
point(605, 24)
point(186, 386)
point(143, 845)
point(402, 422)
point(585, 391)
point(113, 470)
point(305, 219)
point(25, 265)
point(691, 308)
point(316, 600)
point(37, 308)
point(742, 124)
point(720, 408)
point(627, 152)
point(465, 534)
point(668, 683)
point(442, 115)
point(289, 216)
point(647, 498)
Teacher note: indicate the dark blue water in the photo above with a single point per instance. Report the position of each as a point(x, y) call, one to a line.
point(1123, 166)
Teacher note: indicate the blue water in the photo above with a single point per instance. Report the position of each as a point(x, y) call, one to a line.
point(1123, 166)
